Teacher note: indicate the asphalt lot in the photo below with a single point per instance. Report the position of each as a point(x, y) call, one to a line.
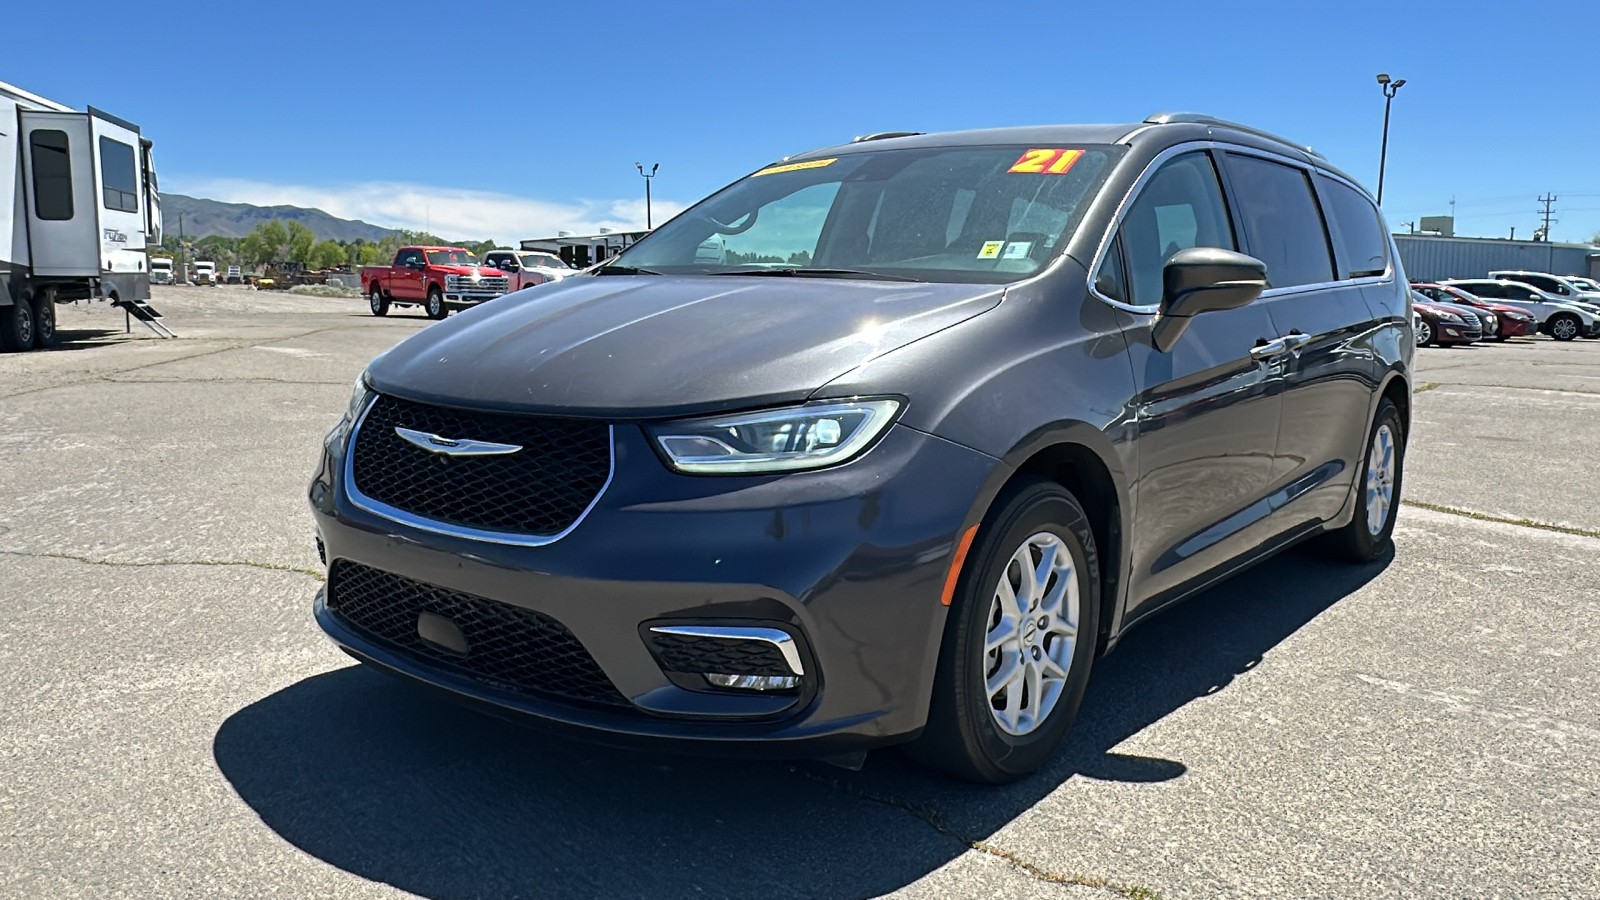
point(173, 724)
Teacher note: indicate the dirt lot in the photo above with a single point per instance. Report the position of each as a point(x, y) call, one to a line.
point(173, 724)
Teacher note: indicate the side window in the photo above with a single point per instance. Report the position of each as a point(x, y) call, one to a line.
point(1281, 221)
point(409, 257)
point(118, 176)
point(1111, 282)
point(1180, 207)
point(1363, 246)
point(1486, 290)
point(52, 175)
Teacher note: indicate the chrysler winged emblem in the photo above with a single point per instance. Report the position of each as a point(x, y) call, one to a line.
point(452, 447)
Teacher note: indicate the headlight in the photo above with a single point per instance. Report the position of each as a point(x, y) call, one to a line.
point(358, 398)
point(1452, 318)
point(779, 440)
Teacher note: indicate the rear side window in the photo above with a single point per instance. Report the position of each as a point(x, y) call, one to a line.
point(119, 176)
point(1281, 221)
point(52, 174)
point(1363, 248)
point(1180, 207)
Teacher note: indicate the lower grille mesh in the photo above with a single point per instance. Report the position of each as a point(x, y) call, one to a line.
point(508, 647)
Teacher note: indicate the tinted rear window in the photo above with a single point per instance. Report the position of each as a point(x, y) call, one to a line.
point(1282, 222)
point(52, 175)
point(1363, 246)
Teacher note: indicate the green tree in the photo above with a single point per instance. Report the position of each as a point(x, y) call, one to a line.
point(300, 240)
point(326, 255)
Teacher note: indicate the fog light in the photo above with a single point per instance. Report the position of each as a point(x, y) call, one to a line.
point(755, 682)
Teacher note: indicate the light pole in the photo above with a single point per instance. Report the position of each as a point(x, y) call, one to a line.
point(1390, 88)
point(648, 224)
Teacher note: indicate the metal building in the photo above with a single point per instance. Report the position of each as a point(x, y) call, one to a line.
point(1431, 257)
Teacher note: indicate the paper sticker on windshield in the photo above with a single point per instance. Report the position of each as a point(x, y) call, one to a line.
point(795, 167)
point(1017, 250)
point(991, 249)
point(1046, 162)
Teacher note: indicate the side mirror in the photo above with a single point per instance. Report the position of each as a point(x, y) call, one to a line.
point(1204, 279)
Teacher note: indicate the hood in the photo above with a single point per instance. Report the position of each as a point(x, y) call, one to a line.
point(485, 271)
point(650, 346)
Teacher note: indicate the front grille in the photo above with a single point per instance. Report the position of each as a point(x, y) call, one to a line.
point(540, 490)
point(488, 284)
point(697, 655)
point(508, 647)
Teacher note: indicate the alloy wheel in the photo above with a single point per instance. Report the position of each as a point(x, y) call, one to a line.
point(1564, 329)
point(1380, 480)
point(1033, 630)
point(1424, 334)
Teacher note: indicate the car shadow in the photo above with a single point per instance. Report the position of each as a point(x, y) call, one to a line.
point(389, 783)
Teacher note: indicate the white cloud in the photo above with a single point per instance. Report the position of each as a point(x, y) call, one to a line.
point(450, 213)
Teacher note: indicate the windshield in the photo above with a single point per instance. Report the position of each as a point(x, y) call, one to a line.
point(451, 258)
point(958, 214)
point(543, 261)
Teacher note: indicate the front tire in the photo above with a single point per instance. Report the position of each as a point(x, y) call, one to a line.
point(377, 302)
point(16, 326)
point(1371, 531)
point(436, 308)
point(1019, 640)
point(45, 336)
point(1565, 326)
point(1424, 334)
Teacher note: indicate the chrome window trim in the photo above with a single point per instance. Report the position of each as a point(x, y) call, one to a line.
point(433, 526)
point(774, 636)
point(1161, 159)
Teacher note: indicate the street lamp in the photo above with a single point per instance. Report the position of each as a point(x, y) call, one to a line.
point(648, 224)
point(1390, 88)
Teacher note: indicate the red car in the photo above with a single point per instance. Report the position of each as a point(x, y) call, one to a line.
point(1441, 327)
point(1514, 322)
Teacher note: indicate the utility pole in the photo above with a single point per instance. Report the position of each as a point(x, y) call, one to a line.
point(183, 267)
point(1549, 201)
point(1411, 227)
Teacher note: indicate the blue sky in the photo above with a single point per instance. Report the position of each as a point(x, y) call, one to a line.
point(513, 121)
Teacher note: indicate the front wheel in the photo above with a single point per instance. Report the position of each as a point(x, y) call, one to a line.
point(1377, 487)
point(1019, 640)
point(436, 308)
point(377, 302)
point(1565, 327)
point(45, 336)
point(1424, 333)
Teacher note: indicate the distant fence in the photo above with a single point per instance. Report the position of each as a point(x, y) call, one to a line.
point(353, 282)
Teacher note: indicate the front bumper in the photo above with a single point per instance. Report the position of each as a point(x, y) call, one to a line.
point(851, 560)
point(1445, 333)
point(470, 298)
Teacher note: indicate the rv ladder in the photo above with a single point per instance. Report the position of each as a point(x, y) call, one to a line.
point(144, 312)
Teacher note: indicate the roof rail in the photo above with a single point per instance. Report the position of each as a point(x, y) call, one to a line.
point(884, 135)
point(1187, 118)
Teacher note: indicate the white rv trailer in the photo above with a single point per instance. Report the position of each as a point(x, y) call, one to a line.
point(78, 210)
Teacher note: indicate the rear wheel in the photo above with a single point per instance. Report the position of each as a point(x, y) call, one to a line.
point(377, 302)
point(44, 321)
point(1565, 326)
point(16, 326)
point(436, 307)
point(1377, 491)
point(1019, 640)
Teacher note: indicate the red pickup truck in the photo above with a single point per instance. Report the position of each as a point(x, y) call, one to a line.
point(438, 279)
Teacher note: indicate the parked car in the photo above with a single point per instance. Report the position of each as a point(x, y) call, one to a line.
point(1442, 326)
point(438, 279)
point(528, 268)
point(1587, 284)
point(905, 491)
point(1559, 286)
point(1480, 320)
point(1559, 319)
point(1510, 321)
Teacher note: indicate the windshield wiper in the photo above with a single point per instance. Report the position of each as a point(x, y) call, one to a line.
point(624, 270)
point(811, 272)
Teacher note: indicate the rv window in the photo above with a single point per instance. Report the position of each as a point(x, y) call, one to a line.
point(52, 175)
point(118, 176)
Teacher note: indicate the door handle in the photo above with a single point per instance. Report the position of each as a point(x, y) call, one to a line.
point(1295, 340)
point(1264, 350)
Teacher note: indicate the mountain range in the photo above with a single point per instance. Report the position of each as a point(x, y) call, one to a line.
point(201, 217)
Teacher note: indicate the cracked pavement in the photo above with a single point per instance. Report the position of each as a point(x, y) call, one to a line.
point(172, 723)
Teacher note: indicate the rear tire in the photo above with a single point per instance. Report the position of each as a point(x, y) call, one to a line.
point(1371, 530)
point(16, 326)
point(436, 308)
point(1565, 326)
point(45, 336)
point(968, 735)
point(377, 302)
